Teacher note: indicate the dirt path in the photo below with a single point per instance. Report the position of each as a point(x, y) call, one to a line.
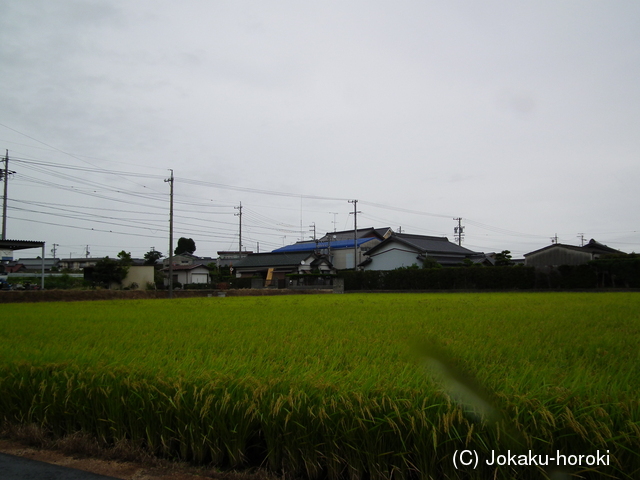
point(124, 470)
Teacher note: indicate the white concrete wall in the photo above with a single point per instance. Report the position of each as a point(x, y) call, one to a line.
point(392, 258)
point(140, 275)
point(197, 277)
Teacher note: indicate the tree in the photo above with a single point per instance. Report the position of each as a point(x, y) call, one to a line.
point(109, 270)
point(430, 262)
point(185, 245)
point(503, 259)
point(152, 257)
point(125, 258)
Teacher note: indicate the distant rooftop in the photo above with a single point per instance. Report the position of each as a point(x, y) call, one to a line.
point(310, 246)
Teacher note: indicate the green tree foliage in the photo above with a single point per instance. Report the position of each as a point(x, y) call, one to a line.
point(109, 270)
point(430, 262)
point(152, 257)
point(63, 282)
point(125, 258)
point(185, 245)
point(618, 270)
point(503, 259)
point(214, 273)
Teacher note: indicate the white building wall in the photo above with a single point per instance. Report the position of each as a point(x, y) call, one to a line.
point(393, 258)
point(142, 275)
point(199, 278)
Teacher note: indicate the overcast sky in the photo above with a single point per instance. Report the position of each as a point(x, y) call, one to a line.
point(522, 118)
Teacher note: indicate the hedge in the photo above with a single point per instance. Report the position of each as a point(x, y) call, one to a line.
point(607, 272)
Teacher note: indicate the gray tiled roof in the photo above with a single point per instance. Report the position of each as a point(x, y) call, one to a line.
point(272, 260)
point(362, 233)
point(424, 244)
point(591, 247)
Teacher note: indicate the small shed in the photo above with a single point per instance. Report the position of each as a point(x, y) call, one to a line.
point(13, 245)
point(187, 274)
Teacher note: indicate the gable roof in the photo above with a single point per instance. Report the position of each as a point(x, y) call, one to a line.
point(591, 247)
point(192, 266)
point(424, 244)
point(597, 247)
point(379, 233)
point(334, 245)
point(273, 259)
point(37, 262)
point(557, 245)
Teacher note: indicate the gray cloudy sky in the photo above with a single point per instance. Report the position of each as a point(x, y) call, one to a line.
point(520, 117)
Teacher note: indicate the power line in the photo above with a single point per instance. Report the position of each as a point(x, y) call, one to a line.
point(93, 181)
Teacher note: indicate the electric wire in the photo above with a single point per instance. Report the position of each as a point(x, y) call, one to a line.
point(192, 209)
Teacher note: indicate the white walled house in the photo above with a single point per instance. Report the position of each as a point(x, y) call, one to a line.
point(187, 274)
point(338, 247)
point(405, 250)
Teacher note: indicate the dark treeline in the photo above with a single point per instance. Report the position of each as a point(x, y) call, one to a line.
point(607, 272)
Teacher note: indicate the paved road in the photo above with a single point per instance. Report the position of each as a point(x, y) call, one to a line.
point(18, 468)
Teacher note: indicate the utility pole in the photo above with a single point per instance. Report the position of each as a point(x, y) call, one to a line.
point(313, 229)
point(581, 237)
point(86, 252)
point(53, 250)
point(239, 215)
point(355, 233)
point(554, 239)
point(170, 180)
point(458, 231)
point(330, 237)
point(5, 175)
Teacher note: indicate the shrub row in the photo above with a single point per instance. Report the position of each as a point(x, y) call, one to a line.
point(495, 278)
point(603, 273)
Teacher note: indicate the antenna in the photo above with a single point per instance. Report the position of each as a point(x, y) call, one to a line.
point(334, 220)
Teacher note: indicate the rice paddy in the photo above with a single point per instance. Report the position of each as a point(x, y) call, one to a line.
point(337, 386)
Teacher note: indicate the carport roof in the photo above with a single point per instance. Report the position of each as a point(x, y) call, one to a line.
point(20, 244)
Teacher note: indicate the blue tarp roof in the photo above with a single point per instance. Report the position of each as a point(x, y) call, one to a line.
point(310, 246)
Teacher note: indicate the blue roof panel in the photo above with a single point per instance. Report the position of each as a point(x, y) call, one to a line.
point(310, 246)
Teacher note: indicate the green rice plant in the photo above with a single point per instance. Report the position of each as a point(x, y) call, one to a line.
point(331, 386)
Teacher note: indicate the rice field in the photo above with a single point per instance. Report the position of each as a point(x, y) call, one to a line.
point(358, 386)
